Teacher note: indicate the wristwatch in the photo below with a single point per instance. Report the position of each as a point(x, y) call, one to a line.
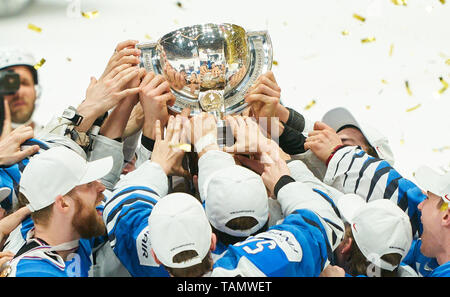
point(71, 114)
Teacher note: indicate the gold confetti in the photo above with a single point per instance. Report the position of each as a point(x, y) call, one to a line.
point(182, 146)
point(367, 107)
point(407, 88)
point(391, 50)
point(414, 108)
point(34, 28)
point(447, 62)
point(384, 81)
point(90, 14)
point(358, 17)
point(402, 141)
point(369, 39)
point(69, 59)
point(442, 1)
point(345, 32)
point(275, 63)
point(441, 149)
point(179, 4)
point(310, 104)
point(148, 36)
point(399, 2)
point(444, 87)
point(39, 65)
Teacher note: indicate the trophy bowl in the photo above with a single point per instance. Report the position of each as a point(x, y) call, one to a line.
point(209, 67)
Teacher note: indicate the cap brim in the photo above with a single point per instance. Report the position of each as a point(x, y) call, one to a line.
point(340, 117)
point(4, 193)
point(96, 170)
point(349, 204)
point(430, 180)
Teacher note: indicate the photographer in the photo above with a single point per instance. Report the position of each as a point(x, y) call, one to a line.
point(22, 103)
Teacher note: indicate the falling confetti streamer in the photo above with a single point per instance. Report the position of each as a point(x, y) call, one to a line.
point(34, 28)
point(441, 149)
point(182, 146)
point(358, 17)
point(391, 50)
point(414, 108)
point(399, 2)
point(369, 39)
point(39, 65)
point(310, 104)
point(444, 87)
point(408, 88)
point(90, 14)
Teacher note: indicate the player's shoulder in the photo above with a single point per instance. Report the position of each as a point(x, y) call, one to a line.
point(38, 267)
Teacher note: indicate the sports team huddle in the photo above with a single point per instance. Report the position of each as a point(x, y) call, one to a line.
point(123, 186)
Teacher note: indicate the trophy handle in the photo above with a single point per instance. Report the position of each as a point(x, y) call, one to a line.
point(261, 58)
point(149, 56)
point(262, 44)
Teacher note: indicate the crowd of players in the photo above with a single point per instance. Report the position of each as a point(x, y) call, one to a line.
point(121, 186)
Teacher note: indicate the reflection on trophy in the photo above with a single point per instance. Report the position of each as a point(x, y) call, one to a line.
point(210, 68)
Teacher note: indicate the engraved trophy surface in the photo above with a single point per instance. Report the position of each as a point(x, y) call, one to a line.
point(209, 67)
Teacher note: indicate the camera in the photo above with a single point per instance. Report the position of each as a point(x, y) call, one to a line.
point(9, 84)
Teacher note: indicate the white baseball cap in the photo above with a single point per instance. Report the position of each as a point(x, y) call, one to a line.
point(434, 182)
point(233, 192)
point(57, 171)
point(379, 227)
point(178, 223)
point(339, 117)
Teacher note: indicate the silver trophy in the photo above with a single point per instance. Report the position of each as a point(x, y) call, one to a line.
point(210, 67)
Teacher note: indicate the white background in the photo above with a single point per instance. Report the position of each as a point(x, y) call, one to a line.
point(315, 60)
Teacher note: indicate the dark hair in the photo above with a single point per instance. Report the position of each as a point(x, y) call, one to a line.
point(240, 223)
point(358, 263)
point(41, 216)
point(370, 150)
point(196, 270)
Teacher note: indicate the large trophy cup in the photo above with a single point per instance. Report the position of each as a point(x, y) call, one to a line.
point(210, 67)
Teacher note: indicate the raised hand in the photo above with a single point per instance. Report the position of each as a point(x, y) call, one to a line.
point(166, 152)
point(155, 96)
point(124, 53)
point(107, 92)
point(322, 141)
point(6, 121)
point(249, 138)
point(204, 133)
point(10, 152)
point(264, 96)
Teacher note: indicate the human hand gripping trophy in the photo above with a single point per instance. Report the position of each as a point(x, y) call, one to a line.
point(210, 67)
